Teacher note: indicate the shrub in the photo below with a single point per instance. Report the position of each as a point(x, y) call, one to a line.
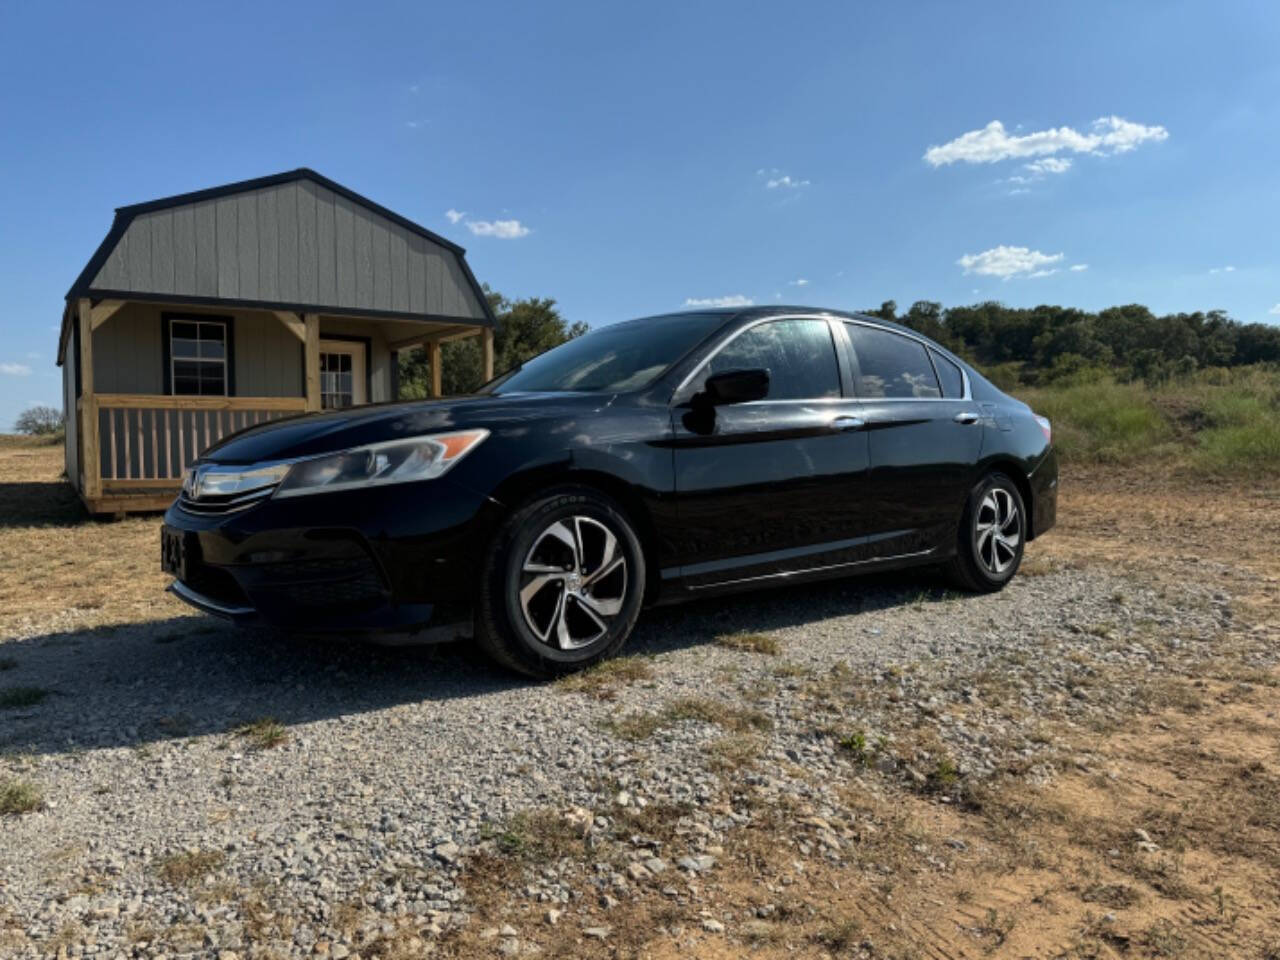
point(39, 421)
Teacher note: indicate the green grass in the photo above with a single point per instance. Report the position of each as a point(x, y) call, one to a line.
point(1212, 422)
point(264, 734)
point(18, 796)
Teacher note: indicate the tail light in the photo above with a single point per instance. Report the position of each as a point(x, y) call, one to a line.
point(1045, 426)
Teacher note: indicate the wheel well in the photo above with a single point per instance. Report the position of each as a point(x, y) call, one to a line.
point(1014, 472)
point(523, 487)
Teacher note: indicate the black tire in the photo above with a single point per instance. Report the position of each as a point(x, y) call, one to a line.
point(985, 559)
point(514, 604)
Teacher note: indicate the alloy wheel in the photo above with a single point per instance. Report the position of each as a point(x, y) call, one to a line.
point(997, 531)
point(573, 582)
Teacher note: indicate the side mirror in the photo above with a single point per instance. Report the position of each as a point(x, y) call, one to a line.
point(736, 386)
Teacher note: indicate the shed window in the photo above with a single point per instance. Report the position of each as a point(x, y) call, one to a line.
point(198, 357)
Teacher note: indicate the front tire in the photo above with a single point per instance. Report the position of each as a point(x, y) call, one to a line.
point(562, 584)
point(993, 532)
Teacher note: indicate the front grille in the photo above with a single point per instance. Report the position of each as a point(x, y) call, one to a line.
point(218, 505)
point(321, 583)
point(215, 583)
point(366, 588)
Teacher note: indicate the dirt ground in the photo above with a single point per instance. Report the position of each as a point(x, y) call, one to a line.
point(1159, 837)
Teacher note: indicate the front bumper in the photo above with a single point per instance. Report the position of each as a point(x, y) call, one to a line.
point(399, 557)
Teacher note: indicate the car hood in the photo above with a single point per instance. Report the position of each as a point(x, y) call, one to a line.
point(320, 433)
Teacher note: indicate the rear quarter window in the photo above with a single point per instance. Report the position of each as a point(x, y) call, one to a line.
point(950, 375)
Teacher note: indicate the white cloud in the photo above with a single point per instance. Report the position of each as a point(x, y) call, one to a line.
point(736, 300)
point(1005, 262)
point(503, 229)
point(1275, 311)
point(1019, 191)
point(1227, 269)
point(777, 180)
point(1079, 267)
point(798, 282)
point(1049, 165)
point(454, 215)
point(993, 143)
point(15, 369)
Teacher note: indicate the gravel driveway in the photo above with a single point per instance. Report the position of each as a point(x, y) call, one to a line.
point(389, 765)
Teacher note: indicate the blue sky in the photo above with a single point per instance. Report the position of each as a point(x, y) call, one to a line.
point(629, 161)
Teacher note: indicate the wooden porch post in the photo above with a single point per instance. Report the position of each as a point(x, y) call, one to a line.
point(91, 467)
point(488, 353)
point(437, 374)
point(311, 350)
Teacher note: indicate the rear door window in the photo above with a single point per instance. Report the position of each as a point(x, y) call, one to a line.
point(892, 366)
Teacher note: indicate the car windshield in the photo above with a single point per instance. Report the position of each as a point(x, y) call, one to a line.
point(619, 357)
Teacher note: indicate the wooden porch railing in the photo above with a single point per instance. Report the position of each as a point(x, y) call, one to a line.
point(147, 441)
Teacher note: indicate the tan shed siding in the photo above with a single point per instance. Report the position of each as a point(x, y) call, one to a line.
point(268, 357)
point(292, 243)
point(127, 355)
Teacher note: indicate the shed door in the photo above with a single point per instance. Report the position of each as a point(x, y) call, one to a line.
point(343, 379)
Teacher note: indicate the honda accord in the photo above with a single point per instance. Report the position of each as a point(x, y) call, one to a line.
point(669, 457)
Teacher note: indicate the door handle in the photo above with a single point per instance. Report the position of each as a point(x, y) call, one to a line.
point(848, 423)
point(966, 417)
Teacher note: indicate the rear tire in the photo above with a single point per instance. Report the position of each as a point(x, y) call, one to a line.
point(561, 585)
point(992, 534)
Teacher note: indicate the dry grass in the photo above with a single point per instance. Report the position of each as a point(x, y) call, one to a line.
point(55, 559)
point(605, 678)
point(190, 867)
point(19, 796)
point(750, 643)
point(728, 716)
point(734, 752)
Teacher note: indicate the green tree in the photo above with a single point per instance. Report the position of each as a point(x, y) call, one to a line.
point(525, 328)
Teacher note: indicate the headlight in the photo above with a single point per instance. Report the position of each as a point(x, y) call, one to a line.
point(396, 461)
point(216, 480)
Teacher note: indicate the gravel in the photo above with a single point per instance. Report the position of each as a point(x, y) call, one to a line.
point(399, 762)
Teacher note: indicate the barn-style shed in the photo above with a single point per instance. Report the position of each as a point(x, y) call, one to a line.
point(207, 312)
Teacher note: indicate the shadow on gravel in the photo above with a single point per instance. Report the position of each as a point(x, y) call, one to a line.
point(134, 684)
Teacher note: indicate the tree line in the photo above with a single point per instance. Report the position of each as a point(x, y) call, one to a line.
point(1048, 344)
point(1013, 345)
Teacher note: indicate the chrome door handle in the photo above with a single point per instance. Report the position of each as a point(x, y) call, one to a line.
point(966, 417)
point(848, 423)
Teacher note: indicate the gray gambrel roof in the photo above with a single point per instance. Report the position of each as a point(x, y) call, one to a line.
point(293, 241)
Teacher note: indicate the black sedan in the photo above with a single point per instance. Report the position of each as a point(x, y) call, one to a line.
point(653, 460)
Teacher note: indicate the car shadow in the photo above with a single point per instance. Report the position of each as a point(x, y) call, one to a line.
point(133, 684)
